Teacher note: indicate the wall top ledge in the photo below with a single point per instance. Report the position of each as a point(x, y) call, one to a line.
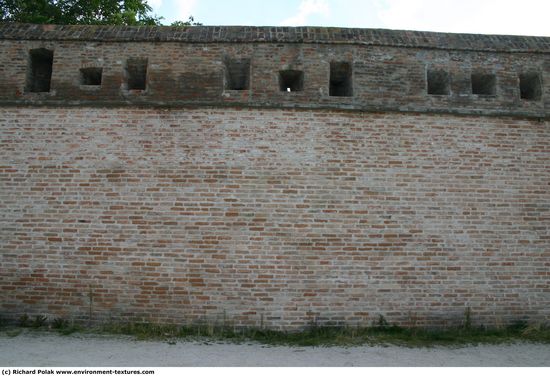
point(270, 34)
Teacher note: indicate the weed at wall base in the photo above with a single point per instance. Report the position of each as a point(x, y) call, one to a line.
point(382, 333)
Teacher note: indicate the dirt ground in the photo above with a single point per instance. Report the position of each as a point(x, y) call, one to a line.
point(53, 350)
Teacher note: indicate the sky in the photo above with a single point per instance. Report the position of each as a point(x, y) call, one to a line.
point(516, 17)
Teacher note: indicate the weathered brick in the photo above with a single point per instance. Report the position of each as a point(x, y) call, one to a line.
point(190, 205)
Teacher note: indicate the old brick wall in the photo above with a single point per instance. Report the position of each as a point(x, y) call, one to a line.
point(186, 68)
point(277, 216)
point(190, 202)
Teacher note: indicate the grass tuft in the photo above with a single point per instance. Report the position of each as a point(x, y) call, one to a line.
point(26, 322)
point(337, 336)
point(382, 333)
point(64, 327)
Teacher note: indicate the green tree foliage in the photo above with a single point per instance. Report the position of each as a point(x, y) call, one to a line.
point(86, 12)
point(189, 22)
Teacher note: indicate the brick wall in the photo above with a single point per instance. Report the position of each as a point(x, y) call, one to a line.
point(187, 67)
point(280, 216)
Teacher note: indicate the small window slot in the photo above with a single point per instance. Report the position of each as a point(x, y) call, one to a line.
point(438, 82)
point(291, 80)
point(136, 70)
point(91, 76)
point(340, 80)
point(530, 86)
point(39, 74)
point(237, 74)
point(483, 84)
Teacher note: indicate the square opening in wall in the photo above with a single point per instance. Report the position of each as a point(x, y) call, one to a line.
point(483, 84)
point(530, 86)
point(291, 80)
point(340, 80)
point(39, 74)
point(91, 76)
point(438, 82)
point(136, 73)
point(237, 74)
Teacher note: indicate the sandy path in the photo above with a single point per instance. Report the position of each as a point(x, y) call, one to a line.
point(48, 349)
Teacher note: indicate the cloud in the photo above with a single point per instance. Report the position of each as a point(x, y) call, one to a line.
point(526, 17)
point(307, 8)
point(155, 4)
point(184, 9)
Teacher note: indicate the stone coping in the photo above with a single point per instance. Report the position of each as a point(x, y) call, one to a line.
point(269, 34)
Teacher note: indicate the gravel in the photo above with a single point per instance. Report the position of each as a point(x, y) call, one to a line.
point(52, 350)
